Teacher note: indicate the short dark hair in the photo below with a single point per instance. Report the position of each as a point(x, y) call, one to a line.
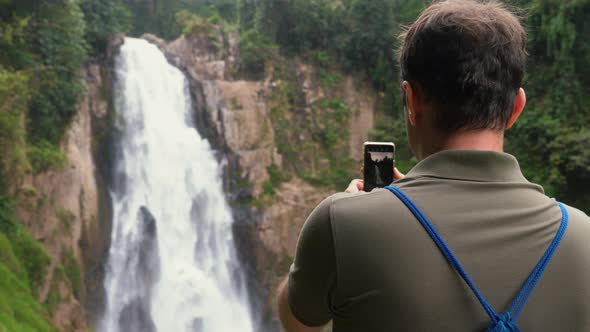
point(467, 57)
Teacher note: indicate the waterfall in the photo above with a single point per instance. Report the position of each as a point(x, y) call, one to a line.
point(172, 264)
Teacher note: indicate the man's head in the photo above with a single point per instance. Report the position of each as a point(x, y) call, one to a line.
point(462, 64)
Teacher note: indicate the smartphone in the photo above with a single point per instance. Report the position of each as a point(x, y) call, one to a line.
point(378, 164)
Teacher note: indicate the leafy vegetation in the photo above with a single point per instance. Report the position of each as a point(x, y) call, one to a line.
point(47, 41)
point(104, 18)
point(14, 94)
point(23, 265)
point(276, 177)
point(43, 46)
point(359, 36)
point(191, 23)
point(44, 156)
point(52, 40)
point(159, 17)
point(256, 49)
point(73, 272)
point(550, 138)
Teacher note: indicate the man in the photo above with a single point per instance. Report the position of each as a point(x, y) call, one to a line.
point(364, 262)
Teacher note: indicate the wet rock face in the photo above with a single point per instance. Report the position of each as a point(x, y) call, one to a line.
point(136, 315)
point(147, 249)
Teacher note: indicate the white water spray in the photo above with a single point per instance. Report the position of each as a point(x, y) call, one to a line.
point(172, 263)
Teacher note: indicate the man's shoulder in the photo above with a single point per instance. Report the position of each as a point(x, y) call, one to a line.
point(352, 200)
point(361, 207)
point(578, 219)
point(577, 213)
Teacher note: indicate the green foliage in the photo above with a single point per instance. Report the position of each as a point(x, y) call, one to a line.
point(159, 17)
point(313, 141)
point(19, 311)
point(60, 35)
point(32, 255)
point(49, 41)
point(284, 102)
point(14, 97)
point(14, 32)
point(337, 176)
point(13, 41)
point(45, 41)
point(54, 296)
point(328, 75)
point(22, 267)
point(29, 252)
point(8, 258)
point(192, 24)
point(332, 129)
point(66, 218)
point(61, 45)
point(298, 26)
point(73, 272)
point(104, 18)
point(276, 177)
point(256, 48)
point(44, 156)
point(550, 137)
point(371, 25)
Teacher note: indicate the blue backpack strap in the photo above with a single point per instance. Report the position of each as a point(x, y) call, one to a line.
point(505, 322)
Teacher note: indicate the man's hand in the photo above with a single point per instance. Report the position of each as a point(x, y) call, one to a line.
point(397, 175)
point(357, 185)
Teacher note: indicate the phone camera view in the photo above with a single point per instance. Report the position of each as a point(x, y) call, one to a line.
point(378, 167)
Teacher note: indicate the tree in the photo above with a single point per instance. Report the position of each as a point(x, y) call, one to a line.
point(60, 44)
point(104, 18)
point(372, 32)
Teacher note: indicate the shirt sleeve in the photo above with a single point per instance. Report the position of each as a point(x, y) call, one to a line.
point(312, 277)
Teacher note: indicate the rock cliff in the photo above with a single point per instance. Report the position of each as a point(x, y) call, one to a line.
point(64, 210)
point(273, 137)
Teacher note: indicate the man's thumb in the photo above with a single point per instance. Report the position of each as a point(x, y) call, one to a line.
point(397, 175)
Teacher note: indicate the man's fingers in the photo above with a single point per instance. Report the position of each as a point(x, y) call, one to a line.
point(355, 185)
point(397, 175)
point(360, 185)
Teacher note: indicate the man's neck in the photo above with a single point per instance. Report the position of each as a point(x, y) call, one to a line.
point(483, 140)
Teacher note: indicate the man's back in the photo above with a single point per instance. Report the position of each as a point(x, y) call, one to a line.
point(388, 275)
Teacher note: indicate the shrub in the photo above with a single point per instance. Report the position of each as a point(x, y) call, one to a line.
point(256, 48)
point(104, 18)
point(73, 272)
point(23, 265)
point(190, 23)
point(44, 156)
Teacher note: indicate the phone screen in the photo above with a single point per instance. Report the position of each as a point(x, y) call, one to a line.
point(378, 165)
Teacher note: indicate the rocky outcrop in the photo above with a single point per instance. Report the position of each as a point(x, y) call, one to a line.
point(61, 209)
point(237, 117)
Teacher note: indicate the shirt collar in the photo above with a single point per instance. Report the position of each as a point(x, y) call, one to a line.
point(473, 165)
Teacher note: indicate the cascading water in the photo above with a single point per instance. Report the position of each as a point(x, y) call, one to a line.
point(172, 264)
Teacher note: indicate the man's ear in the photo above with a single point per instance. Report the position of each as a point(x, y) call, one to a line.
point(519, 104)
point(410, 96)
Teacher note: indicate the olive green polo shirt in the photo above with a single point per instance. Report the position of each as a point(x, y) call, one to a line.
point(364, 261)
